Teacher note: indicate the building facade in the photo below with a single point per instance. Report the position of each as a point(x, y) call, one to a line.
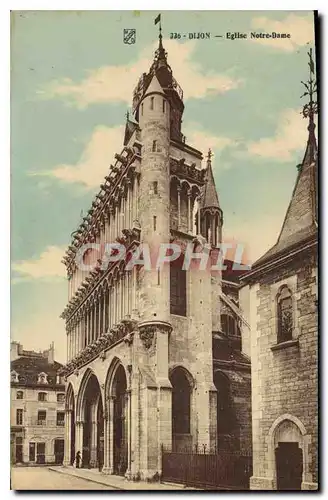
point(279, 299)
point(140, 372)
point(37, 407)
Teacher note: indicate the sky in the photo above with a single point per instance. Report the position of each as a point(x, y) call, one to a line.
point(72, 79)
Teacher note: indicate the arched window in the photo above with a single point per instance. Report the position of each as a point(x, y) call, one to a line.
point(151, 103)
point(285, 315)
point(19, 395)
point(141, 109)
point(229, 325)
point(42, 396)
point(181, 392)
point(154, 149)
point(178, 289)
point(60, 398)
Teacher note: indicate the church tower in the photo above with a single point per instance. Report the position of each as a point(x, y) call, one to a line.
point(140, 367)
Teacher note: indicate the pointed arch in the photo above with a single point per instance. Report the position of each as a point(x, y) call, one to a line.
point(114, 366)
point(289, 427)
point(69, 398)
point(81, 394)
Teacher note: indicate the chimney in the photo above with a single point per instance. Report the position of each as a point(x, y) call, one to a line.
point(51, 354)
point(15, 350)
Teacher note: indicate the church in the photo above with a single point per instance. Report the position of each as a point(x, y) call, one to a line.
point(279, 298)
point(155, 356)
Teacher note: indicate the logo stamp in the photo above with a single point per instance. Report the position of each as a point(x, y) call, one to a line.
point(129, 36)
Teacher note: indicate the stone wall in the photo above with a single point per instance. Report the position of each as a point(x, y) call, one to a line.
point(284, 377)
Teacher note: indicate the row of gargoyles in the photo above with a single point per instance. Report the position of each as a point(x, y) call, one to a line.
point(117, 332)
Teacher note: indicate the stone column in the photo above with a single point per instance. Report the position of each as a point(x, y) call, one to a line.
point(199, 228)
point(189, 211)
point(134, 311)
point(129, 207)
point(93, 444)
point(115, 292)
point(179, 206)
point(67, 442)
point(128, 430)
point(106, 468)
point(79, 437)
point(111, 435)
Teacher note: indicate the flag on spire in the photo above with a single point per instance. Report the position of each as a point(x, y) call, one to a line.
point(158, 19)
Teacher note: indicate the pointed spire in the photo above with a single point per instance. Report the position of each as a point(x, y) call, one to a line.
point(160, 54)
point(301, 218)
point(210, 196)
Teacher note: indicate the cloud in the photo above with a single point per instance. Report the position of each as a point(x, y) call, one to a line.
point(94, 161)
point(47, 266)
point(300, 28)
point(290, 136)
point(116, 83)
point(204, 140)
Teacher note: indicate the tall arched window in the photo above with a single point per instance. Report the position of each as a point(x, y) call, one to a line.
point(154, 148)
point(285, 315)
point(229, 325)
point(181, 393)
point(178, 289)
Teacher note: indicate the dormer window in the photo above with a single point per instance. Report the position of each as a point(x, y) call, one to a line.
point(14, 376)
point(42, 378)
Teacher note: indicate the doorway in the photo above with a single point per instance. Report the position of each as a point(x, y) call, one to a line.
point(40, 453)
point(59, 451)
point(289, 464)
point(19, 449)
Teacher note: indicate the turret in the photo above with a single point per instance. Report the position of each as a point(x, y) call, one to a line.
point(211, 213)
point(154, 195)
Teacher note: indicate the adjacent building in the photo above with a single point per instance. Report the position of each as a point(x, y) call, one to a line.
point(153, 361)
point(37, 407)
point(279, 299)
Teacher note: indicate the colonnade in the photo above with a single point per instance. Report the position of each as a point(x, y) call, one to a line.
point(111, 303)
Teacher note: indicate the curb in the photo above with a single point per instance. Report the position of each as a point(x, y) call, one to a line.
point(67, 473)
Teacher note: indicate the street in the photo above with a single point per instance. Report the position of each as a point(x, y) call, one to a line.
point(41, 478)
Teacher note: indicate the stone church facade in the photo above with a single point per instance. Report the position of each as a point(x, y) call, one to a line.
point(152, 360)
point(279, 298)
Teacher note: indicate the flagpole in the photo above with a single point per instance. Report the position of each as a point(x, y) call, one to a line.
point(160, 30)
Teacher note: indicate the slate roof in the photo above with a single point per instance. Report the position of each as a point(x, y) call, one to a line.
point(300, 223)
point(224, 350)
point(210, 196)
point(28, 368)
point(130, 127)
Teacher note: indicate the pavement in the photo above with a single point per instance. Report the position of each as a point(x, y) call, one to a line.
point(42, 478)
point(114, 482)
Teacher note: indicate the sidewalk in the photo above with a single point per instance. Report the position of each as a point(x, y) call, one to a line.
point(116, 482)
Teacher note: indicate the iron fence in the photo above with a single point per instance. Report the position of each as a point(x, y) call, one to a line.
point(199, 468)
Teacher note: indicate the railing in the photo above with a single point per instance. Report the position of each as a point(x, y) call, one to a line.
point(50, 422)
point(219, 471)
